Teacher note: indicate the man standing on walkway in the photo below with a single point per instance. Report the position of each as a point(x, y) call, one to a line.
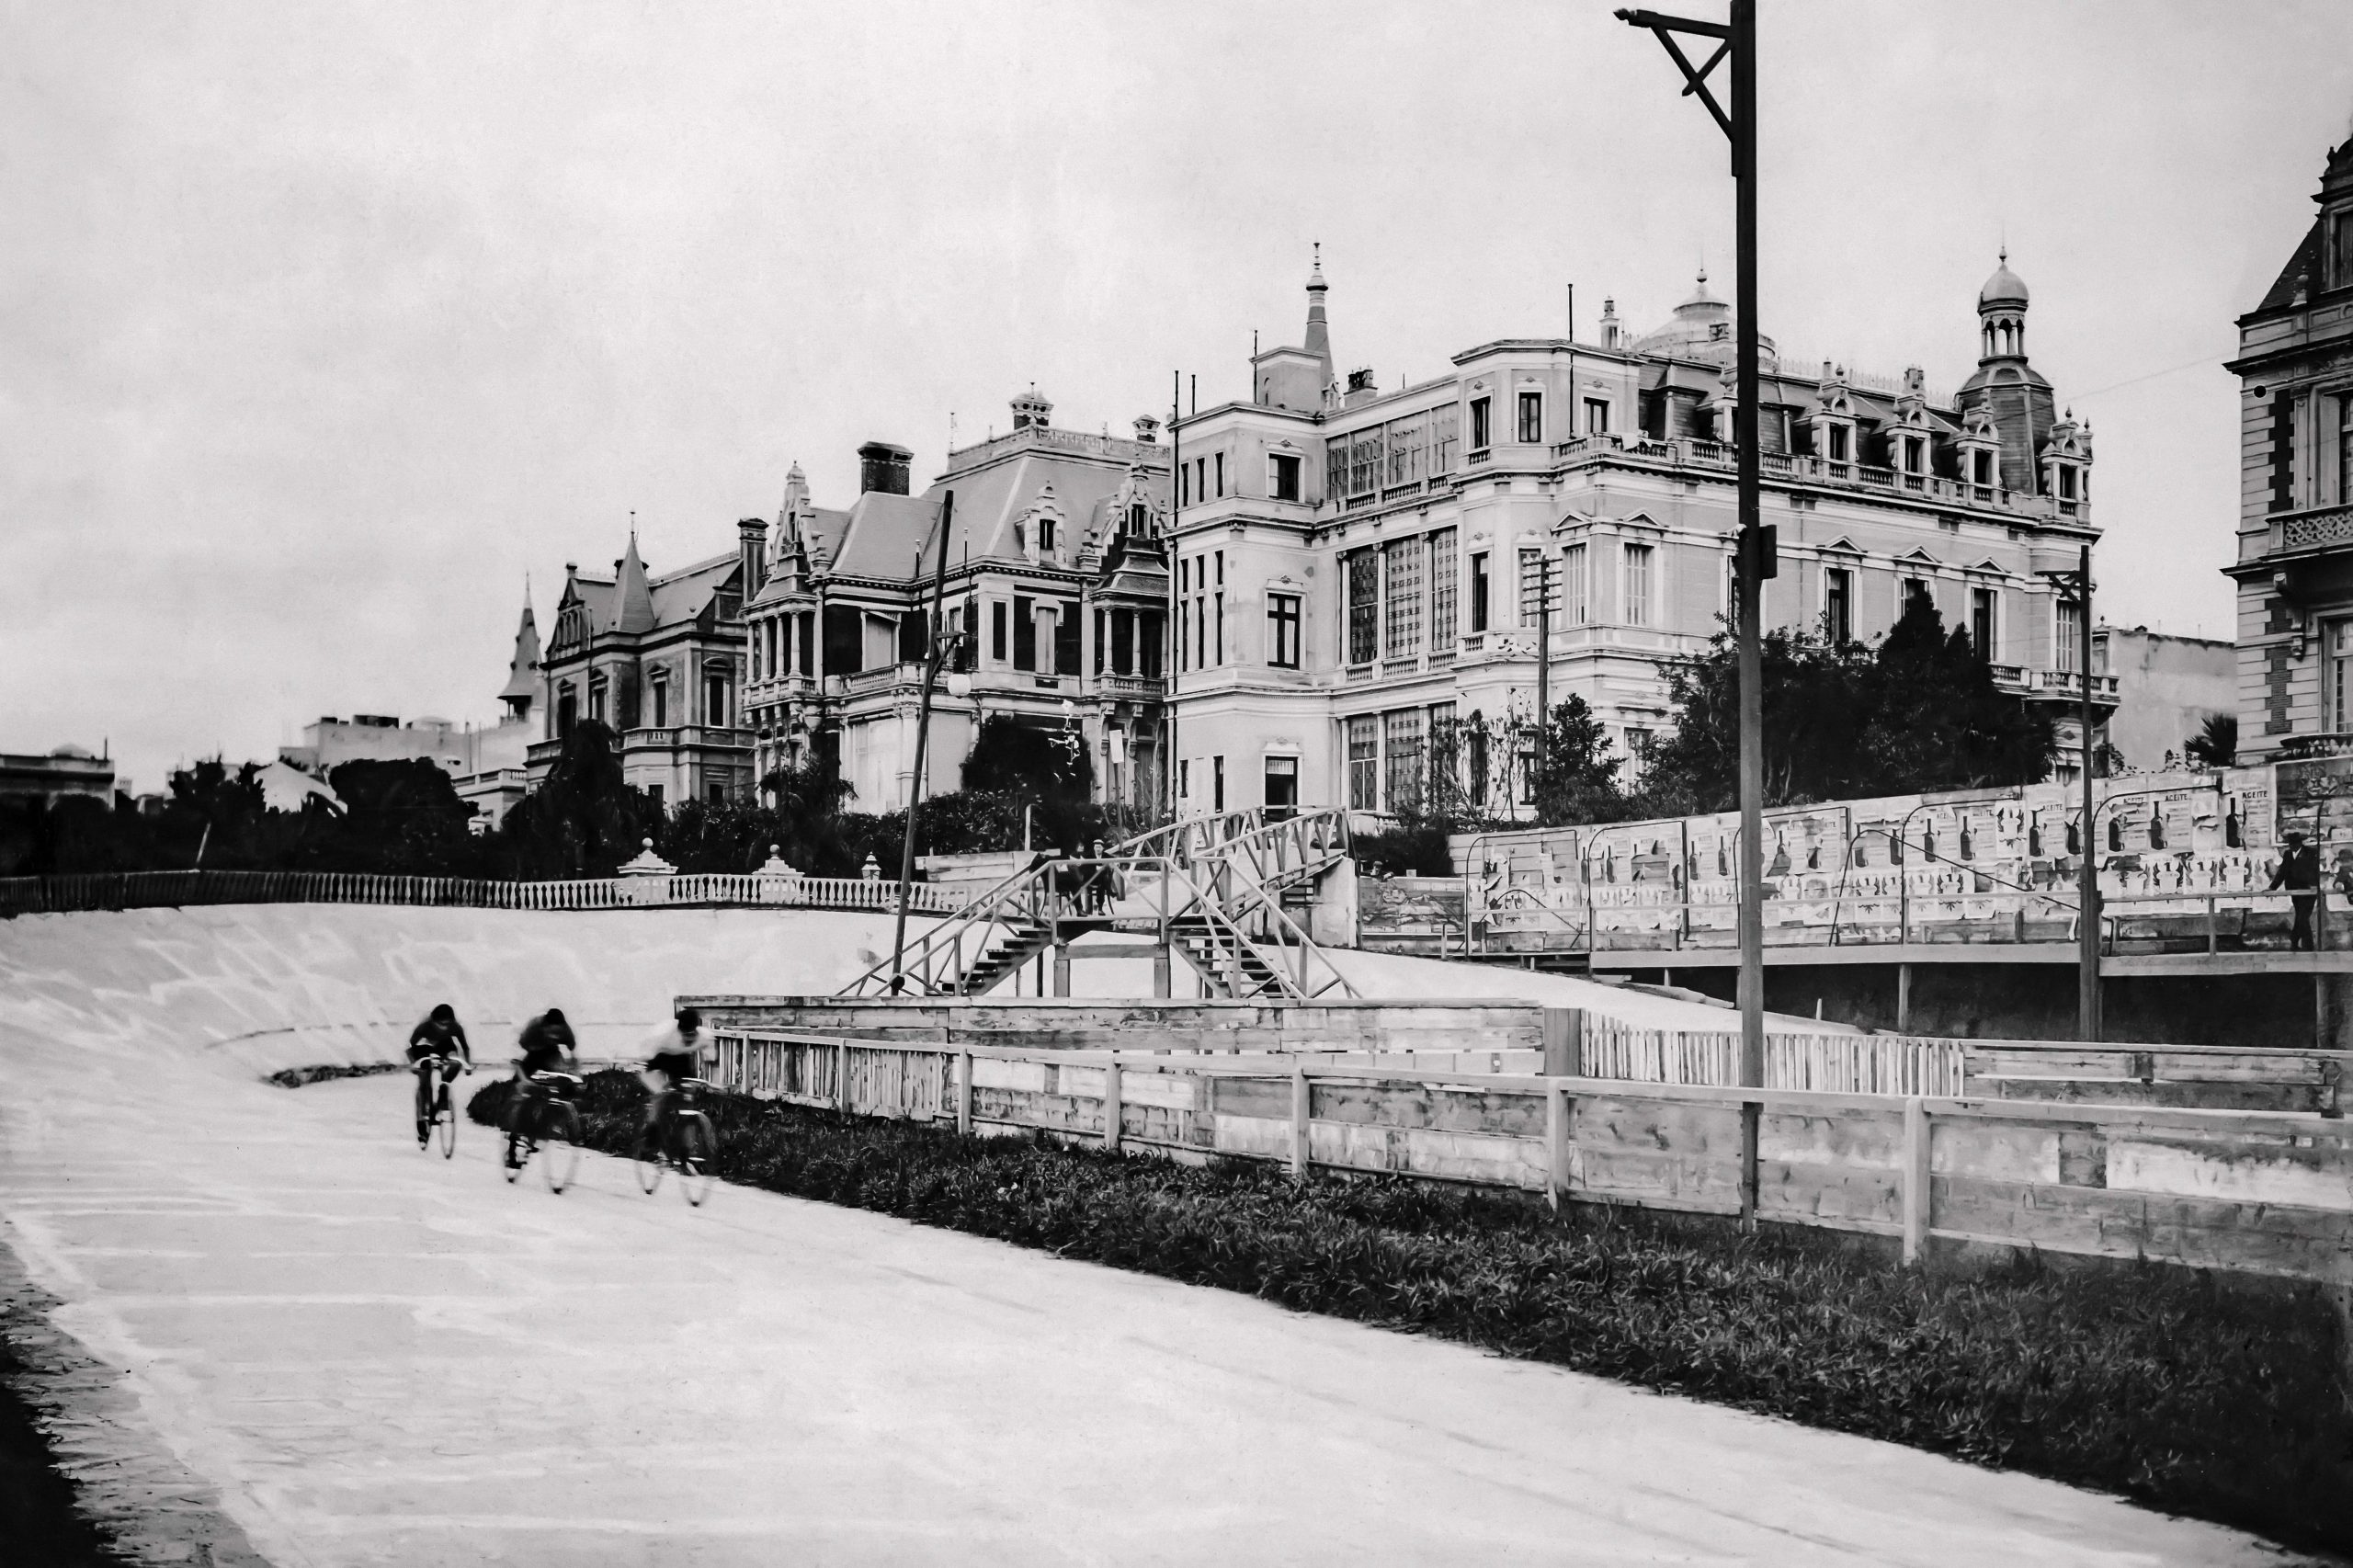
point(2299, 872)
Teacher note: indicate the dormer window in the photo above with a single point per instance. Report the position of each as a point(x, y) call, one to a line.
point(1045, 536)
point(1980, 469)
point(1842, 443)
point(2067, 481)
point(2340, 249)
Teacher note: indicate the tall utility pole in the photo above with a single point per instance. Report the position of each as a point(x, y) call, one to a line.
point(941, 645)
point(2075, 588)
point(2087, 1018)
point(1175, 631)
point(1735, 40)
point(1543, 664)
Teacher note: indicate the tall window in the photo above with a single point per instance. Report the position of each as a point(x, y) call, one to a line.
point(1123, 643)
point(996, 631)
point(1217, 783)
point(1639, 559)
point(1283, 631)
point(1401, 570)
point(1364, 606)
point(597, 701)
point(1575, 607)
point(1364, 764)
point(1480, 430)
point(1405, 440)
point(661, 690)
point(1981, 468)
point(2345, 437)
point(1537, 592)
point(1531, 417)
point(1067, 652)
point(2337, 649)
point(1596, 416)
point(1283, 477)
point(1838, 603)
point(1217, 610)
point(1980, 622)
point(1917, 595)
point(1441, 572)
point(1402, 759)
point(714, 699)
point(1479, 591)
point(1220, 472)
point(1336, 469)
point(1446, 434)
point(2071, 636)
point(1024, 633)
point(2340, 248)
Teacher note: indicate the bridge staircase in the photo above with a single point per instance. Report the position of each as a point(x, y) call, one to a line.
point(1218, 892)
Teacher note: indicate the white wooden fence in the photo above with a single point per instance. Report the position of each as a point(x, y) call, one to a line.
point(1830, 1063)
point(146, 889)
point(2260, 1192)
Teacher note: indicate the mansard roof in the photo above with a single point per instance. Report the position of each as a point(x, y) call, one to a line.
point(2304, 265)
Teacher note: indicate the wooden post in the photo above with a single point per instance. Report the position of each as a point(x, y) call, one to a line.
point(2213, 937)
point(1161, 977)
point(841, 1075)
point(1061, 968)
point(1915, 1179)
point(1556, 1146)
point(964, 1092)
point(1564, 1042)
point(1903, 996)
point(1111, 1105)
point(1298, 1117)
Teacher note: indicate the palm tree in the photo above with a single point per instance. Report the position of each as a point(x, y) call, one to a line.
point(2216, 743)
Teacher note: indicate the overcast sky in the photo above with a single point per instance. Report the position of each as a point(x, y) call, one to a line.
point(322, 326)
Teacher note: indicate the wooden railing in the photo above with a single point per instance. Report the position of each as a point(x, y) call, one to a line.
point(148, 890)
point(2259, 1192)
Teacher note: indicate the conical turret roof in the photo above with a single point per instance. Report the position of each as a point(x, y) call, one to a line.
point(523, 669)
point(633, 600)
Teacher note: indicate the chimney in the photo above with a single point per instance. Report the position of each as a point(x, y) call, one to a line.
point(751, 536)
point(882, 468)
point(1147, 430)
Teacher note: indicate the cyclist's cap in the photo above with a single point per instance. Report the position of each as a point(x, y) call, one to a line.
point(690, 1019)
point(444, 1014)
point(554, 1016)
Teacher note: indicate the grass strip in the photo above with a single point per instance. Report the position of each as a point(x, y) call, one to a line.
point(297, 1077)
point(2186, 1391)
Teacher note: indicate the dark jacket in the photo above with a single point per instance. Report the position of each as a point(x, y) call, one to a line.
point(2299, 870)
point(545, 1045)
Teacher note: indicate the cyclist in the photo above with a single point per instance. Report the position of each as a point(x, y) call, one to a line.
point(548, 1045)
point(440, 1039)
point(676, 1052)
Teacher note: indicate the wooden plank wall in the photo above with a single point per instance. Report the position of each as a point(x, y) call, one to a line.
point(2258, 1192)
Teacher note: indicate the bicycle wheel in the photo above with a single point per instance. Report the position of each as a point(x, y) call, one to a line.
point(697, 1146)
point(559, 1145)
point(646, 1155)
point(421, 1106)
point(447, 1115)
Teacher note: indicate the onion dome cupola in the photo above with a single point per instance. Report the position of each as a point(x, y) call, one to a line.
point(2012, 393)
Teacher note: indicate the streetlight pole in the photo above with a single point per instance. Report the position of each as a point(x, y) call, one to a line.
point(1735, 40)
point(941, 645)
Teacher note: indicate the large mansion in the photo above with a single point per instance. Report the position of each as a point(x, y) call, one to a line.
point(1359, 572)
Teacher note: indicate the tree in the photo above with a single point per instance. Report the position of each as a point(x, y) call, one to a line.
point(1937, 722)
point(401, 817)
point(1574, 772)
point(583, 820)
point(2216, 743)
point(1918, 712)
point(1036, 766)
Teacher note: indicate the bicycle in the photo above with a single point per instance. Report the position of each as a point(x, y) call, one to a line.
point(685, 1142)
point(434, 1077)
point(547, 1117)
